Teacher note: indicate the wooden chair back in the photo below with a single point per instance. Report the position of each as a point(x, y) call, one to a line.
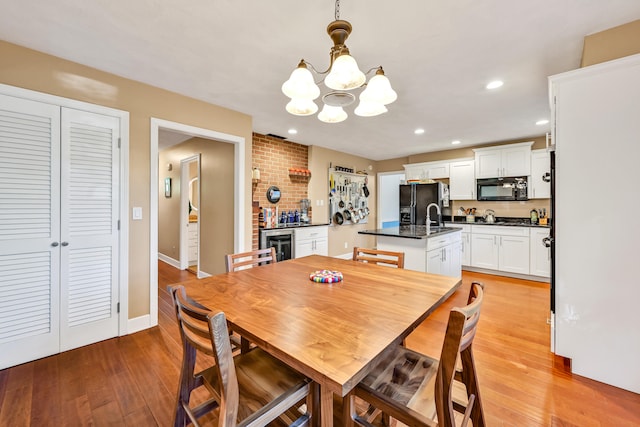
point(250, 259)
point(376, 256)
point(461, 330)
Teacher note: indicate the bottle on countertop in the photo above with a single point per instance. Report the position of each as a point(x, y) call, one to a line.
point(291, 218)
point(296, 217)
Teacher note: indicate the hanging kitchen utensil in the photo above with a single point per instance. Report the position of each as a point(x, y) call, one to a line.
point(365, 190)
point(338, 218)
point(346, 214)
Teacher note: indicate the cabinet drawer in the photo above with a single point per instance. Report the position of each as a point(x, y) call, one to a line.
point(444, 240)
point(466, 228)
point(311, 233)
point(499, 230)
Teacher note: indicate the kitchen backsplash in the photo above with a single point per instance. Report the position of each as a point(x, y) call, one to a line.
point(502, 209)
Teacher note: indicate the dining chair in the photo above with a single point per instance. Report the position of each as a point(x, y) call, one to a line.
point(250, 259)
point(252, 387)
point(377, 256)
point(418, 390)
point(241, 261)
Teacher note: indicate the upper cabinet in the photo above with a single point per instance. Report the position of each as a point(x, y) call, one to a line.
point(504, 160)
point(539, 182)
point(428, 170)
point(462, 182)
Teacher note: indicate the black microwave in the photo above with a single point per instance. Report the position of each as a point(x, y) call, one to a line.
point(502, 189)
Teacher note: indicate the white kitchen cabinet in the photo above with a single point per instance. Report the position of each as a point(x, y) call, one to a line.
point(540, 254)
point(500, 248)
point(311, 241)
point(540, 171)
point(503, 160)
point(465, 242)
point(427, 170)
point(462, 180)
point(443, 255)
point(192, 245)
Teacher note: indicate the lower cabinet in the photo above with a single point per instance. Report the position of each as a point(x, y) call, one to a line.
point(192, 239)
point(311, 241)
point(540, 254)
point(500, 248)
point(443, 255)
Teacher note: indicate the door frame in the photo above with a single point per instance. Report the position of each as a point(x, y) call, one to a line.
point(238, 191)
point(123, 245)
point(185, 198)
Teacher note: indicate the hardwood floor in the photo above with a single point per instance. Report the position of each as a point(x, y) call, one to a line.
point(132, 380)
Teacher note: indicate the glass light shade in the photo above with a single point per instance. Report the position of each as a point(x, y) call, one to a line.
point(301, 85)
point(379, 91)
point(369, 109)
point(345, 74)
point(302, 107)
point(330, 114)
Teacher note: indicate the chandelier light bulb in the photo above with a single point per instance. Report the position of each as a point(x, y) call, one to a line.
point(345, 74)
point(369, 109)
point(301, 85)
point(331, 114)
point(379, 90)
point(301, 107)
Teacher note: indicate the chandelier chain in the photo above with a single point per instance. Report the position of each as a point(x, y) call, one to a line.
point(337, 10)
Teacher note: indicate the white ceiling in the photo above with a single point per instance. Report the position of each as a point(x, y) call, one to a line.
point(237, 53)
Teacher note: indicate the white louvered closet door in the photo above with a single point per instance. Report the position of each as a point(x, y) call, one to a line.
point(89, 228)
point(29, 230)
point(59, 193)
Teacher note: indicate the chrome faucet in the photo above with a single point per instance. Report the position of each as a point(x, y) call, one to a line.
point(429, 217)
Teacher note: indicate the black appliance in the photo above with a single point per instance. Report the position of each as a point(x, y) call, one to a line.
point(502, 189)
point(414, 199)
point(282, 239)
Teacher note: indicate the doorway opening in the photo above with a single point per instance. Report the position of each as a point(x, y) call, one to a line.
point(239, 202)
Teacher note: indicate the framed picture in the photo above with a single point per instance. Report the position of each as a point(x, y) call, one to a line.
point(167, 187)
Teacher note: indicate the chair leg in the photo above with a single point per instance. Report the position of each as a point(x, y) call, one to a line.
point(470, 380)
point(185, 385)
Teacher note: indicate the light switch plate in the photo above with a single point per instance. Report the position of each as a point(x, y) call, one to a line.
point(137, 213)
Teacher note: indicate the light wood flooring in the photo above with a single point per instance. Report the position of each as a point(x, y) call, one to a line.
point(132, 380)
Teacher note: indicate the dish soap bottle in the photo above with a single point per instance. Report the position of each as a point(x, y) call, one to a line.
point(534, 216)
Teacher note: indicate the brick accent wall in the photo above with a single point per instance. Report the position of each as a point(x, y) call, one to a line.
point(274, 157)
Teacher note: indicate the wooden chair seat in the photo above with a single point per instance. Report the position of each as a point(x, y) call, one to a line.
point(380, 257)
point(419, 390)
point(251, 389)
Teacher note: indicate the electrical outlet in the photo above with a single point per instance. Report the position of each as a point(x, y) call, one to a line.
point(346, 245)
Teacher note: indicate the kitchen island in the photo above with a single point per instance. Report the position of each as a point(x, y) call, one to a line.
point(438, 251)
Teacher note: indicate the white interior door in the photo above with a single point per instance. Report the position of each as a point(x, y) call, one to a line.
point(89, 230)
point(59, 210)
point(29, 230)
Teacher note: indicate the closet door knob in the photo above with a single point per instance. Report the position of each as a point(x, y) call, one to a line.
point(65, 243)
point(54, 244)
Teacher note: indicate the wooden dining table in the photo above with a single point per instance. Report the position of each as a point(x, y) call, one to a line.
point(334, 333)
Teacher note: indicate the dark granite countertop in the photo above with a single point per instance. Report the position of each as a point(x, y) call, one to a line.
point(295, 225)
point(502, 221)
point(410, 231)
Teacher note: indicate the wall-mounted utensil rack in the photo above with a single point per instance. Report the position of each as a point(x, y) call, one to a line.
point(348, 198)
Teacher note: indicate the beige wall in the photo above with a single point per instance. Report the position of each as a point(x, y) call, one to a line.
point(44, 73)
point(613, 43)
point(320, 159)
point(215, 212)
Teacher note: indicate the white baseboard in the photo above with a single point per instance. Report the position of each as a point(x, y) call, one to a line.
point(138, 324)
point(172, 262)
point(506, 274)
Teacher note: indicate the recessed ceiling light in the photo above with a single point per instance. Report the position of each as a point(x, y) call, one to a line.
point(292, 131)
point(542, 122)
point(494, 84)
point(456, 142)
point(419, 131)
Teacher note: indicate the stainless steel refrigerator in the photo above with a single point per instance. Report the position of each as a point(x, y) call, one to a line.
point(414, 199)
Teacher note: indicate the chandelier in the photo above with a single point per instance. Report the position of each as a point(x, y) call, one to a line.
point(342, 75)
